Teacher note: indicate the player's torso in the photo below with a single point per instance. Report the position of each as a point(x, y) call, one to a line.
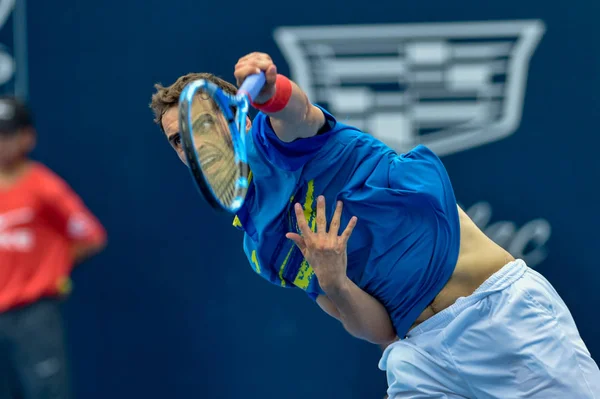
point(21, 218)
point(268, 215)
point(27, 239)
point(358, 177)
point(393, 243)
point(271, 254)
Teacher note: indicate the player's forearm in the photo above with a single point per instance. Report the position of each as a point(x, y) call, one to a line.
point(93, 245)
point(298, 119)
point(361, 314)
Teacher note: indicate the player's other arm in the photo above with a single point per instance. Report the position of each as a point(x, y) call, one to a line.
point(332, 310)
point(362, 315)
point(69, 215)
point(291, 113)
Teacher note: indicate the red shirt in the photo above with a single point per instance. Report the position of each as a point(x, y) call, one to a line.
point(41, 219)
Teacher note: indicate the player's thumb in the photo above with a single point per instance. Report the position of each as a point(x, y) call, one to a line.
point(297, 239)
point(271, 74)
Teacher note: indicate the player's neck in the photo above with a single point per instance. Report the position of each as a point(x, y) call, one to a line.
point(11, 174)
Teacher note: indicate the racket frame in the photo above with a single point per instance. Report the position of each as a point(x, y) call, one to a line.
point(237, 127)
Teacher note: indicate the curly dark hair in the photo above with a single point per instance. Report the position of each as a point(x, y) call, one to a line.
point(167, 97)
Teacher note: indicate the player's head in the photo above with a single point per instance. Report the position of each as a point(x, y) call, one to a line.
point(17, 135)
point(165, 101)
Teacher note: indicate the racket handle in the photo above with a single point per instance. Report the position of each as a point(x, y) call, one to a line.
point(252, 85)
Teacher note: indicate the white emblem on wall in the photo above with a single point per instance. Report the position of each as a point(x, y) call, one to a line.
point(451, 86)
point(527, 242)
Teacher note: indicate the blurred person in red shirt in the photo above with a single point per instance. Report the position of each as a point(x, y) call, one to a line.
point(45, 229)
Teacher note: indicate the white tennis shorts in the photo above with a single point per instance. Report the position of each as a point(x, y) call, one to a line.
point(512, 338)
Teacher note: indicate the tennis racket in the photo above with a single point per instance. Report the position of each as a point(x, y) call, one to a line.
point(212, 125)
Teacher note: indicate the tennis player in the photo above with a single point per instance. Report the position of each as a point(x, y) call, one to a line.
point(473, 321)
point(45, 228)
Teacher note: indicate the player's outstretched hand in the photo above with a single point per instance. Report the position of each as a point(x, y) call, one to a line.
point(254, 63)
point(324, 250)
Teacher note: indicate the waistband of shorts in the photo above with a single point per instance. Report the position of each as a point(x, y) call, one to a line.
point(498, 281)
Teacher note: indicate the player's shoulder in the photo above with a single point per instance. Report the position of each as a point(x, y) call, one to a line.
point(44, 173)
point(260, 122)
point(421, 157)
point(349, 140)
point(420, 151)
point(47, 181)
point(346, 133)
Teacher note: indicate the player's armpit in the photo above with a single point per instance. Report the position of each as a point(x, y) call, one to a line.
point(299, 119)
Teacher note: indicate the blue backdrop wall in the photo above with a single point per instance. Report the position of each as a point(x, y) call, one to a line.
point(169, 309)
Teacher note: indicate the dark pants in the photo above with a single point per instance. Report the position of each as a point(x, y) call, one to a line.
point(32, 353)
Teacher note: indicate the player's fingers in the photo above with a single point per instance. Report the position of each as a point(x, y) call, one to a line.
point(247, 58)
point(245, 70)
point(348, 231)
point(301, 220)
point(255, 55)
point(262, 63)
point(321, 216)
point(262, 58)
point(298, 240)
point(240, 66)
point(334, 226)
point(250, 63)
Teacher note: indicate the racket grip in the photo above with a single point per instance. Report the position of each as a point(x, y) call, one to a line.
point(252, 85)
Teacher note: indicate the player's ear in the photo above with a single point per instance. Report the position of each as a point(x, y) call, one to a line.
point(248, 124)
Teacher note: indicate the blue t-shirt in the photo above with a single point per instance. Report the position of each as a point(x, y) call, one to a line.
point(406, 243)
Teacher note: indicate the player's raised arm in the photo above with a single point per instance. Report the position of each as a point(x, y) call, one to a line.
point(291, 113)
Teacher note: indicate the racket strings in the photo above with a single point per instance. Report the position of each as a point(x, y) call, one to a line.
point(214, 145)
point(220, 168)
